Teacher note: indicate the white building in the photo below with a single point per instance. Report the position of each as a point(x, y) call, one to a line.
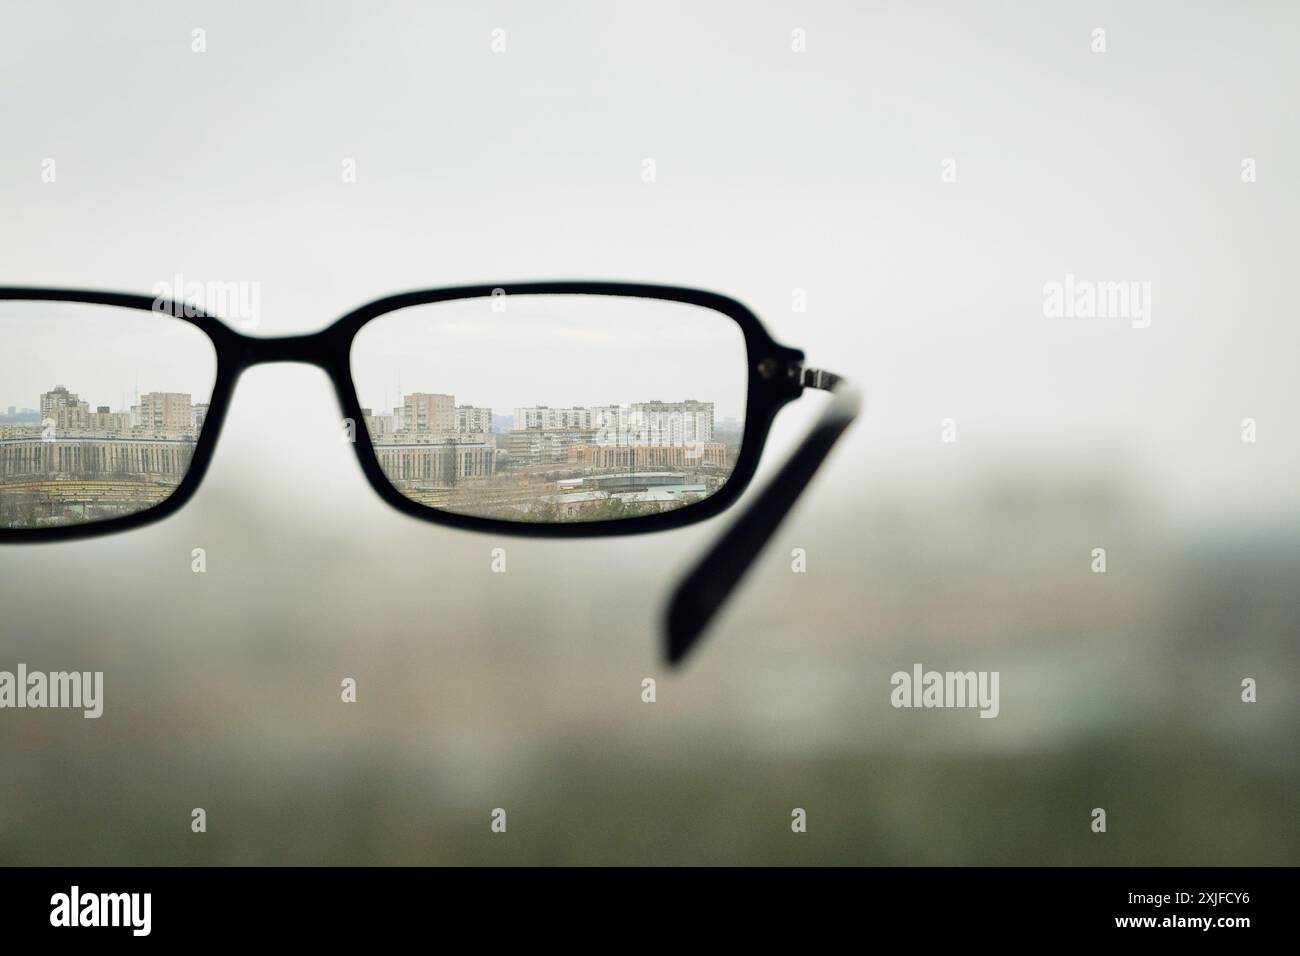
point(470, 418)
point(543, 416)
point(671, 423)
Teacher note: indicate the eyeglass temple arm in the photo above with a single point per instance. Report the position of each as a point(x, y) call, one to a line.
point(703, 592)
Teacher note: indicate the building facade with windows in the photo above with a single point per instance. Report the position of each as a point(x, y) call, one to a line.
point(429, 412)
point(696, 455)
point(439, 464)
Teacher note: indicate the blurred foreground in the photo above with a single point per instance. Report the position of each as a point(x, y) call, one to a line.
point(522, 690)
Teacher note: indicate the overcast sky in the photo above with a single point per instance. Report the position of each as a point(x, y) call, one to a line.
point(774, 171)
point(554, 350)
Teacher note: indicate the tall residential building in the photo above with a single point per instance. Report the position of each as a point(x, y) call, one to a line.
point(672, 423)
point(379, 426)
point(429, 412)
point(543, 416)
point(59, 399)
point(73, 419)
point(165, 413)
point(104, 421)
point(470, 418)
point(609, 421)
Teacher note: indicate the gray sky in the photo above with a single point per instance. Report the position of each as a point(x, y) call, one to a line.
point(775, 171)
point(100, 353)
point(554, 350)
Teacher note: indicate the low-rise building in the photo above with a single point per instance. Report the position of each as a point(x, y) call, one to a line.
point(696, 455)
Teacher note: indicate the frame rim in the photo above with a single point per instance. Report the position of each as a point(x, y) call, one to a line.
point(769, 388)
point(223, 340)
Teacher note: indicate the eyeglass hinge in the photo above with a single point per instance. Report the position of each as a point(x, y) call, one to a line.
point(813, 377)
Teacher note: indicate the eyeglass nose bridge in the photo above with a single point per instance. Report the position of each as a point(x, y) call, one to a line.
point(313, 348)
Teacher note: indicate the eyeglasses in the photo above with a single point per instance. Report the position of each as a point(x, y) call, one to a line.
point(558, 409)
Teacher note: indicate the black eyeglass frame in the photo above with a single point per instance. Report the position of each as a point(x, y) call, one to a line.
point(773, 381)
point(776, 376)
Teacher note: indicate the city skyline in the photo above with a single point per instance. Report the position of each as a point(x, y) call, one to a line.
point(62, 411)
point(81, 462)
point(161, 409)
point(685, 420)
